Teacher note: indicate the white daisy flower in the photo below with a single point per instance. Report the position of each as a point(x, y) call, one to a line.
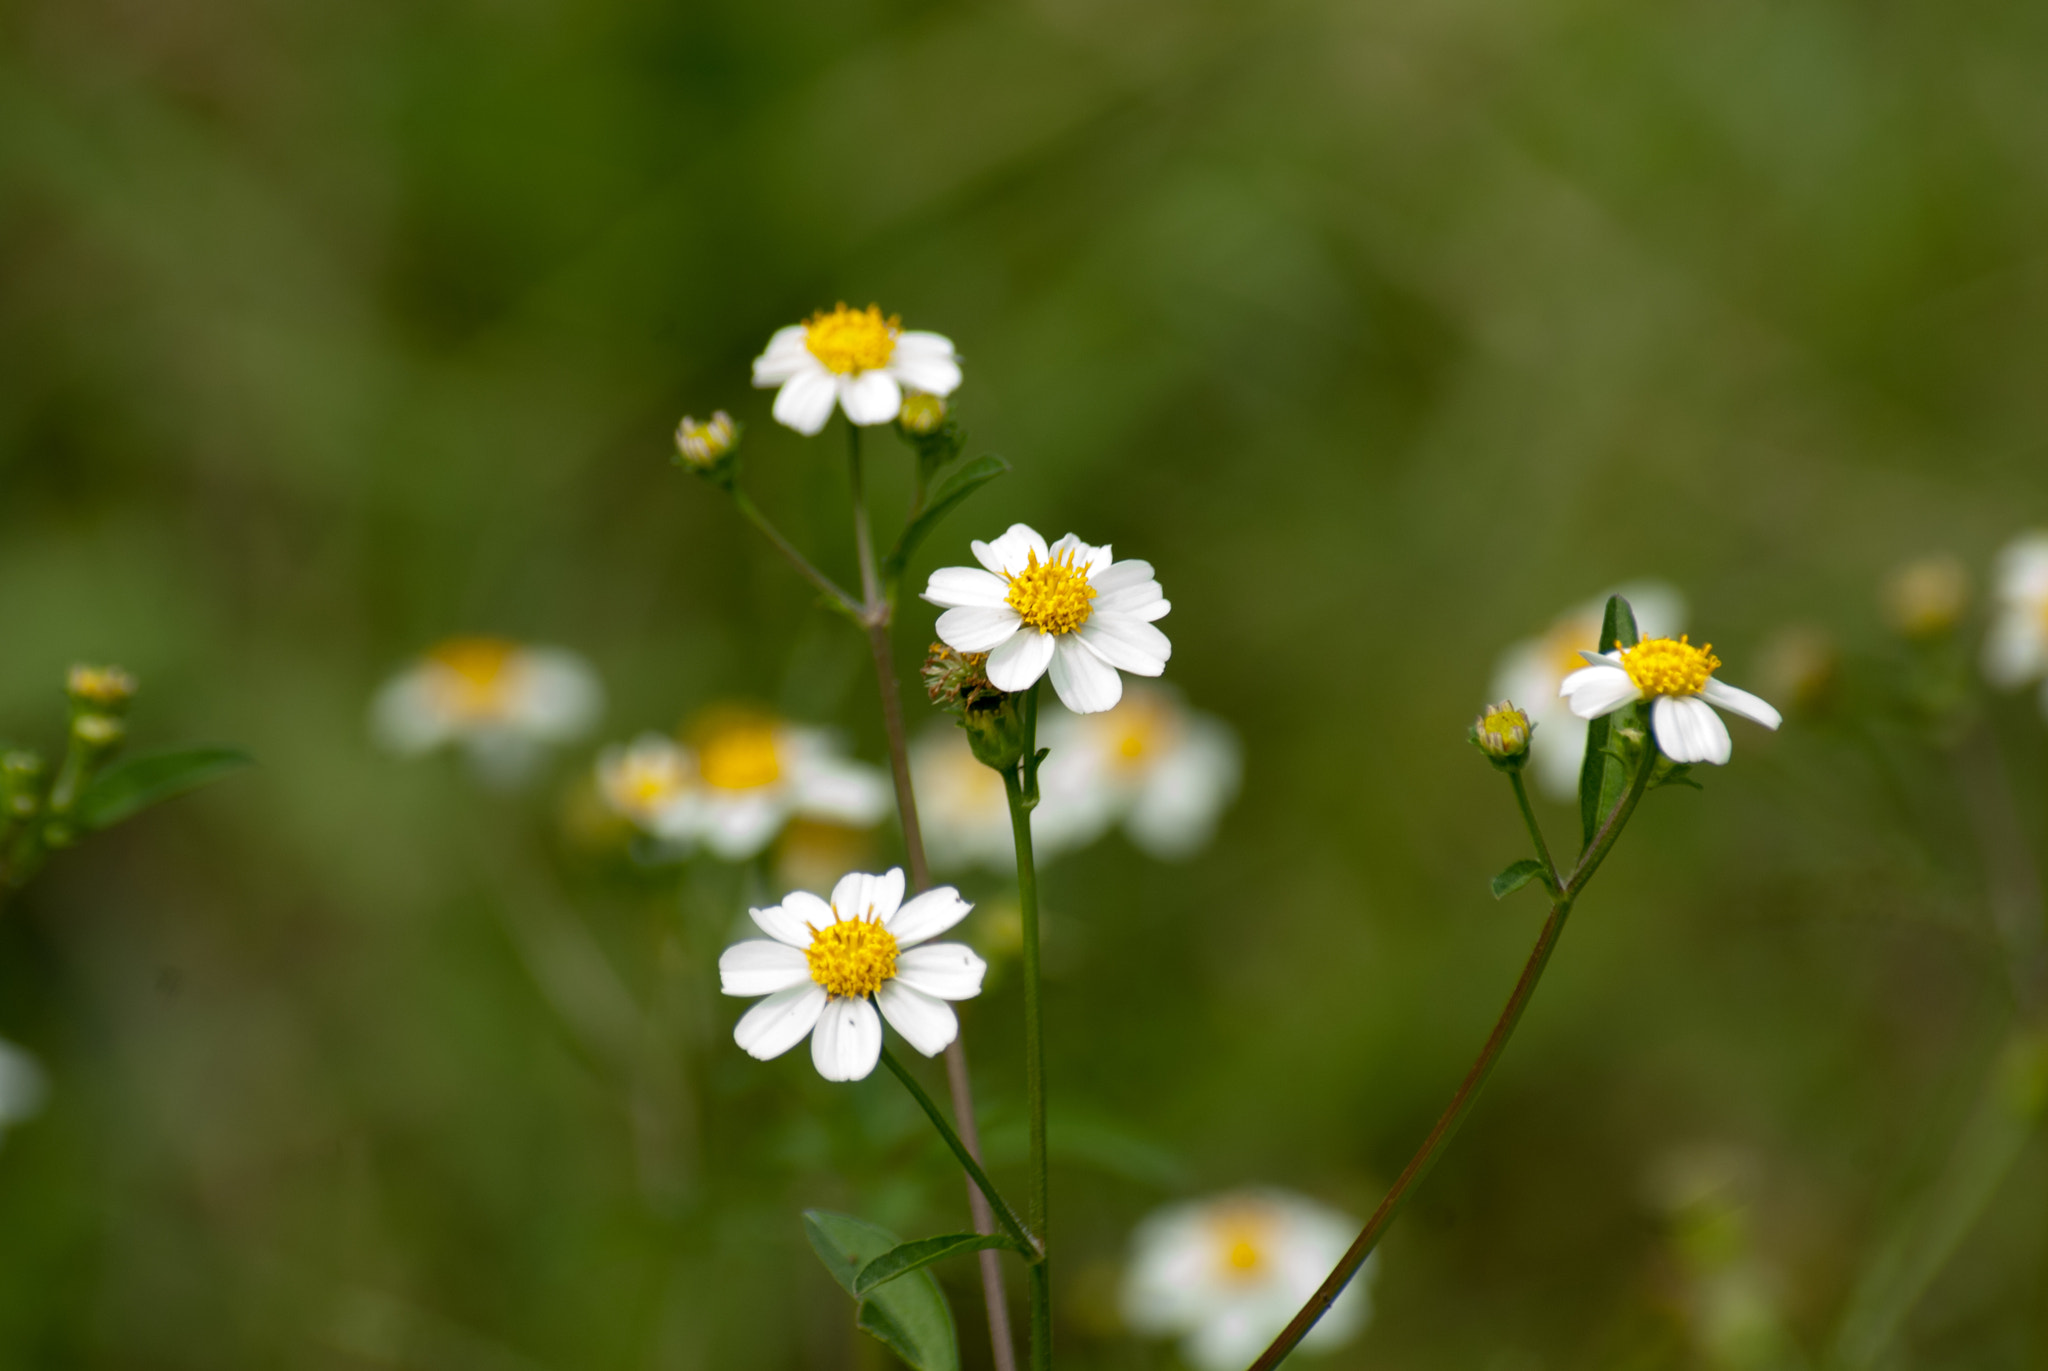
point(757, 772)
point(2016, 650)
point(1169, 771)
point(965, 813)
point(1678, 680)
point(501, 701)
point(1070, 607)
point(21, 1086)
point(856, 358)
point(1531, 671)
point(652, 783)
point(831, 966)
point(1225, 1275)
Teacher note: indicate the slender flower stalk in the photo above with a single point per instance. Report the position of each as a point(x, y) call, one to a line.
point(827, 587)
point(1551, 876)
point(1563, 897)
point(1021, 785)
point(1012, 1225)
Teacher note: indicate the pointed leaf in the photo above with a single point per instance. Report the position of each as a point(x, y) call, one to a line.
point(910, 1315)
point(1516, 876)
point(938, 505)
point(129, 787)
point(915, 1256)
point(1603, 776)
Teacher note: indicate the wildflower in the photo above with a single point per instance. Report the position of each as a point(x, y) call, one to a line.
point(704, 447)
point(1678, 679)
point(1502, 733)
point(757, 771)
point(21, 1086)
point(965, 811)
point(831, 966)
point(1226, 1274)
point(859, 359)
point(1070, 607)
point(501, 700)
point(651, 782)
point(1531, 671)
point(104, 688)
point(1924, 598)
point(2016, 650)
point(1165, 770)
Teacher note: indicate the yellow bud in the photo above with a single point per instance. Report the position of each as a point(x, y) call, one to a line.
point(1502, 731)
point(922, 414)
point(702, 447)
point(107, 687)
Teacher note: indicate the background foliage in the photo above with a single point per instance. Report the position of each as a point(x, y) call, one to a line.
point(1384, 331)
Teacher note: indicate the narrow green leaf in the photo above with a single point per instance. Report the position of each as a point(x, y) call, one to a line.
point(937, 506)
point(1515, 877)
point(129, 787)
point(915, 1256)
point(1602, 776)
point(910, 1315)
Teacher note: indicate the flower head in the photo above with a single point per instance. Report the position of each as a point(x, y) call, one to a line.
point(2016, 650)
point(500, 700)
point(106, 688)
point(1502, 732)
point(859, 359)
point(704, 448)
point(1069, 607)
point(1678, 681)
point(652, 783)
point(1165, 770)
point(826, 968)
point(1226, 1274)
point(756, 771)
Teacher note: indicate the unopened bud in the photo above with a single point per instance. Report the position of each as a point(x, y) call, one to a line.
point(1925, 598)
point(20, 792)
point(706, 448)
point(101, 687)
point(99, 731)
point(994, 719)
point(1502, 733)
point(922, 414)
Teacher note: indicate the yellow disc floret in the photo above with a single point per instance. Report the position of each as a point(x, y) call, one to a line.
point(1669, 666)
point(1244, 1237)
point(738, 751)
point(470, 676)
point(850, 340)
point(1052, 597)
point(852, 958)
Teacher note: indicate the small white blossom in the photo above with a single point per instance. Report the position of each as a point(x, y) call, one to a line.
point(651, 783)
point(501, 701)
point(859, 360)
point(1070, 607)
point(1678, 680)
point(1224, 1275)
point(2016, 651)
point(830, 967)
point(756, 772)
point(1165, 770)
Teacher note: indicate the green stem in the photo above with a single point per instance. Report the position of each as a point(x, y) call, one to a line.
point(1551, 875)
point(1461, 1104)
point(826, 585)
point(1034, 1250)
point(1023, 798)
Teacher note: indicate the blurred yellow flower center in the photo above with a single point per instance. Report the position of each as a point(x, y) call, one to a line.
point(644, 783)
point(1669, 666)
point(740, 755)
point(1562, 644)
point(1052, 597)
point(1242, 1239)
point(1141, 727)
point(471, 673)
point(850, 340)
point(852, 958)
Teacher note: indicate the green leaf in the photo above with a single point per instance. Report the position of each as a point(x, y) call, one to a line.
point(1516, 876)
point(909, 1316)
point(131, 786)
point(915, 1256)
point(1603, 776)
point(937, 506)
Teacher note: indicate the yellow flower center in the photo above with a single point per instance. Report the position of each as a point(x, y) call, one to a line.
point(850, 340)
point(1053, 596)
point(471, 674)
point(1669, 666)
point(1243, 1237)
point(1561, 645)
point(644, 783)
point(739, 753)
point(852, 958)
point(1141, 728)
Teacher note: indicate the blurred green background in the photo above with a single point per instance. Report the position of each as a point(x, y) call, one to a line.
point(1386, 332)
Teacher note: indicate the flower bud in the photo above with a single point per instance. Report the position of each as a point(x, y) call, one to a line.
point(1924, 598)
point(922, 414)
point(20, 791)
point(97, 731)
point(1502, 733)
point(958, 682)
point(105, 688)
point(707, 448)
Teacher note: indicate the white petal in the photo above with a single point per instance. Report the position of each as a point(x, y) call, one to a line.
point(927, 362)
point(779, 1022)
point(805, 401)
point(759, 967)
point(925, 1023)
point(928, 915)
point(848, 1040)
point(871, 397)
point(1688, 730)
point(1594, 691)
point(1724, 696)
point(861, 896)
point(792, 921)
point(1128, 599)
point(955, 586)
point(1125, 575)
point(2015, 650)
point(1128, 644)
point(736, 829)
point(406, 717)
point(975, 629)
point(885, 895)
point(1011, 552)
point(841, 791)
point(558, 697)
point(950, 971)
point(1018, 662)
point(785, 355)
point(1084, 682)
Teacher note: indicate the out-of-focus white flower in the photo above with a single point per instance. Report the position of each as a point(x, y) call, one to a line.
point(756, 772)
point(965, 814)
point(21, 1086)
point(1678, 680)
point(1167, 770)
point(2016, 651)
point(1071, 607)
point(651, 782)
point(1531, 671)
point(831, 966)
point(856, 358)
point(1225, 1275)
point(502, 701)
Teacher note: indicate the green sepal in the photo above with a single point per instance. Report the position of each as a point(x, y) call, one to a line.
point(937, 506)
point(922, 1252)
point(1675, 773)
point(131, 786)
point(1603, 775)
point(1517, 876)
point(908, 1315)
